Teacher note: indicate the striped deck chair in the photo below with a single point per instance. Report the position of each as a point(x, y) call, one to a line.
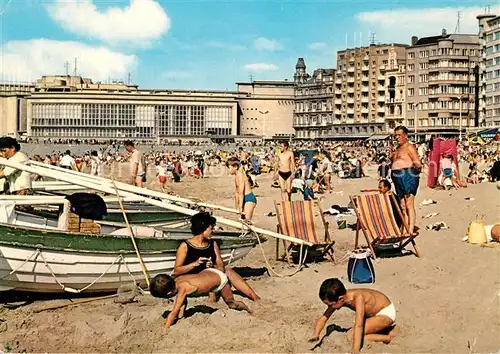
point(376, 219)
point(297, 219)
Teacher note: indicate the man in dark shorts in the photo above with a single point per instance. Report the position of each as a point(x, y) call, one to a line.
point(406, 168)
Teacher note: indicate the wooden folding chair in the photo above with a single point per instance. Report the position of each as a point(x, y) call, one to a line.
point(297, 219)
point(377, 222)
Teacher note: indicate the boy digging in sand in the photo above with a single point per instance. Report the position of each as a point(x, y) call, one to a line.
point(208, 280)
point(375, 313)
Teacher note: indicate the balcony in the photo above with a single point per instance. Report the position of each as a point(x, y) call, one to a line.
point(365, 79)
point(349, 121)
point(350, 111)
point(381, 78)
point(365, 68)
point(365, 89)
point(381, 98)
point(350, 80)
point(365, 99)
point(350, 101)
point(350, 90)
point(338, 81)
point(381, 109)
point(382, 67)
point(338, 112)
point(350, 70)
point(338, 102)
point(381, 88)
point(366, 58)
point(338, 91)
point(365, 111)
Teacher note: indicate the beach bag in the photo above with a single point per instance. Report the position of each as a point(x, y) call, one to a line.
point(360, 268)
point(476, 232)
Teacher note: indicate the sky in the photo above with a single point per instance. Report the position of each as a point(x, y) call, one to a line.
point(207, 44)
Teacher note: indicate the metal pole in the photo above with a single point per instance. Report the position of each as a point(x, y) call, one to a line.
point(460, 115)
point(416, 120)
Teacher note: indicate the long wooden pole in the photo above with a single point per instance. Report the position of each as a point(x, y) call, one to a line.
point(63, 176)
point(41, 200)
point(135, 189)
point(139, 257)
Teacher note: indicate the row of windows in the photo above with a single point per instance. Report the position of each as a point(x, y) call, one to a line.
point(443, 51)
point(147, 120)
point(371, 129)
point(493, 36)
point(493, 49)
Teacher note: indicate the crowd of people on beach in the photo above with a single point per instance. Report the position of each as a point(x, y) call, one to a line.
point(306, 170)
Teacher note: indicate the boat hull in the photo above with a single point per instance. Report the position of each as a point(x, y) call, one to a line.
point(51, 261)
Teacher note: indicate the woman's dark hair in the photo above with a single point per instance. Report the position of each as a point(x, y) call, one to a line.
point(7, 142)
point(162, 285)
point(331, 290)
point(200, 222)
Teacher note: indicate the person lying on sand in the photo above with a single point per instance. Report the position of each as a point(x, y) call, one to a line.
point(208, 280)
point(375, 313)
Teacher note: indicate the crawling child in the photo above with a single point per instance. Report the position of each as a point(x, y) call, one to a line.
point(375, 313)
point(208, 280)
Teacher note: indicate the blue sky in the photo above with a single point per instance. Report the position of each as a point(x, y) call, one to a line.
point(206, 44)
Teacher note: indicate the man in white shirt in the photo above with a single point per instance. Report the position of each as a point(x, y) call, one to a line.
point(67, 161)
point(137, 165)
point(19, 181)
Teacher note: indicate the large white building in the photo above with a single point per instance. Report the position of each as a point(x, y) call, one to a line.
point(75, 107)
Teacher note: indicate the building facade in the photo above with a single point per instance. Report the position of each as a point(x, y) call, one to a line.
point(440, 82)
point(75, 107)
point(489, 70)
point(361, 89)
point(314, 102)
point(266, 109)
point(13, 108)
point(395, 93)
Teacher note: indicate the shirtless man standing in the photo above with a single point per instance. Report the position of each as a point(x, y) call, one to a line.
point(406, 168)
point(137, 165)
point(284, 171)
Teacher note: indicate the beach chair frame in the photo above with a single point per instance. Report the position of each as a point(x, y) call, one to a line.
point(325, 246)
point(403, 239)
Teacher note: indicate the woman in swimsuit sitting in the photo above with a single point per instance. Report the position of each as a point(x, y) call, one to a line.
point(201, 252)
point(245, 199)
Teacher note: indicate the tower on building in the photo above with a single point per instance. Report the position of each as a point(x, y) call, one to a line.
point(300, 71)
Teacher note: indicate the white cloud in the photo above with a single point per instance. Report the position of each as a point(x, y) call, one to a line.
point(260, 67)
point(176, 75)
point(228, 46)
point(317, 46)
point(30, 59)
point(139, 23)
point(401, 24)
point(271, 45)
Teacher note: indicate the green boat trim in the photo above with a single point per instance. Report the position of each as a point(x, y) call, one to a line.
point(33, 238)
point(133, 216)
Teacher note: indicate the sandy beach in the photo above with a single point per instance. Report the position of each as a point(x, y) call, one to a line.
point(447, 301)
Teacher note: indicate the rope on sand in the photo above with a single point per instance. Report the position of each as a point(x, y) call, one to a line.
point(299, 267)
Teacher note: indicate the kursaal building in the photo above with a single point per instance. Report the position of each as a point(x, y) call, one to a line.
point(76, 108)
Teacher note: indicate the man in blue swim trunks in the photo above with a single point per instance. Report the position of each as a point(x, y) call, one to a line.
point(245, 200)
point(406, 168)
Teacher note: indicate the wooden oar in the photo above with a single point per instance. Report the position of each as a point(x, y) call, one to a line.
point(139, 257)
point(76, 302)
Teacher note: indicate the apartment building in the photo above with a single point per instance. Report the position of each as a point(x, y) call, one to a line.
point(395, 104)
point(489, 70)
point(362, 89)
point(440, 82)
point(313, 113)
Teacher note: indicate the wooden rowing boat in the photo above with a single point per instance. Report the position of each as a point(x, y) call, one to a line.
point(37, 260)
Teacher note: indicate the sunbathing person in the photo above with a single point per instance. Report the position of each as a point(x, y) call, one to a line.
point(375, 313)
point(200, 252)
point(209, 280)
